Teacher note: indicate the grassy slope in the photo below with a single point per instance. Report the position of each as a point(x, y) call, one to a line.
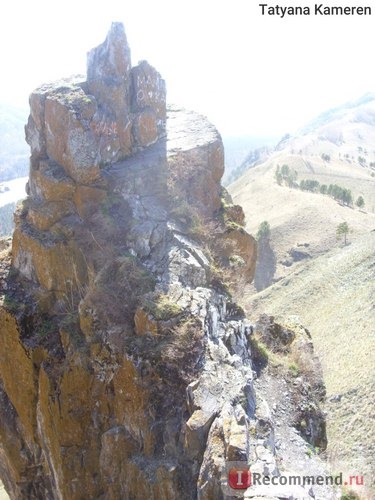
point(334, 293)
point(334, 296)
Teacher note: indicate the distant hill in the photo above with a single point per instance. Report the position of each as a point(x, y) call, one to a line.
point(345, 134)
point(237, 149)
point(340, 151)
point(14, 152)
point(341, 112)
point(254, 157)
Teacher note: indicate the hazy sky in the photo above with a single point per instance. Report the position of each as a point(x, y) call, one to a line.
point(250, 74)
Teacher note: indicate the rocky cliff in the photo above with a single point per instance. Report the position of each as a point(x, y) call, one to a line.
point(126, 368)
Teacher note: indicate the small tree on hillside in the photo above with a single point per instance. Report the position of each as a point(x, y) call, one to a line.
point(342, 230)
point(292, 178)
point(360, 202)
point(309, 185)
point(264, 231)
point(278, 176)
point(266, 261)
point(286, 175)
point(361, 160)
point(285, 170)
point(346, 197)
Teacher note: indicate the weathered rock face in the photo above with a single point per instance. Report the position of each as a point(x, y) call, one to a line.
point(125, 368)
point(84, 125)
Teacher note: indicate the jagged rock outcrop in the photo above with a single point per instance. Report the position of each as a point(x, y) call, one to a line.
point(125, 367)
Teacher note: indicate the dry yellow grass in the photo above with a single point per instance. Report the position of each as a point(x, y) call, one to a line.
point(334, 297)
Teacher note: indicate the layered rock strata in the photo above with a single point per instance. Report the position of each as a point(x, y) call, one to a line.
point(126, 368)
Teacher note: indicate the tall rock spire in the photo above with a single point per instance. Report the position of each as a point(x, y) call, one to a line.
point(109, 76)
point(85, 125)
point(110, 62)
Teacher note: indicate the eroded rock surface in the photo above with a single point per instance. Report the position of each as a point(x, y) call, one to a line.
point(126, 369)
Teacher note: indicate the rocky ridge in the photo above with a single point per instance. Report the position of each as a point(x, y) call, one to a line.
point(126, 368)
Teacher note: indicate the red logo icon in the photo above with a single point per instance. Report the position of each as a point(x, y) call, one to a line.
point(239, 478)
